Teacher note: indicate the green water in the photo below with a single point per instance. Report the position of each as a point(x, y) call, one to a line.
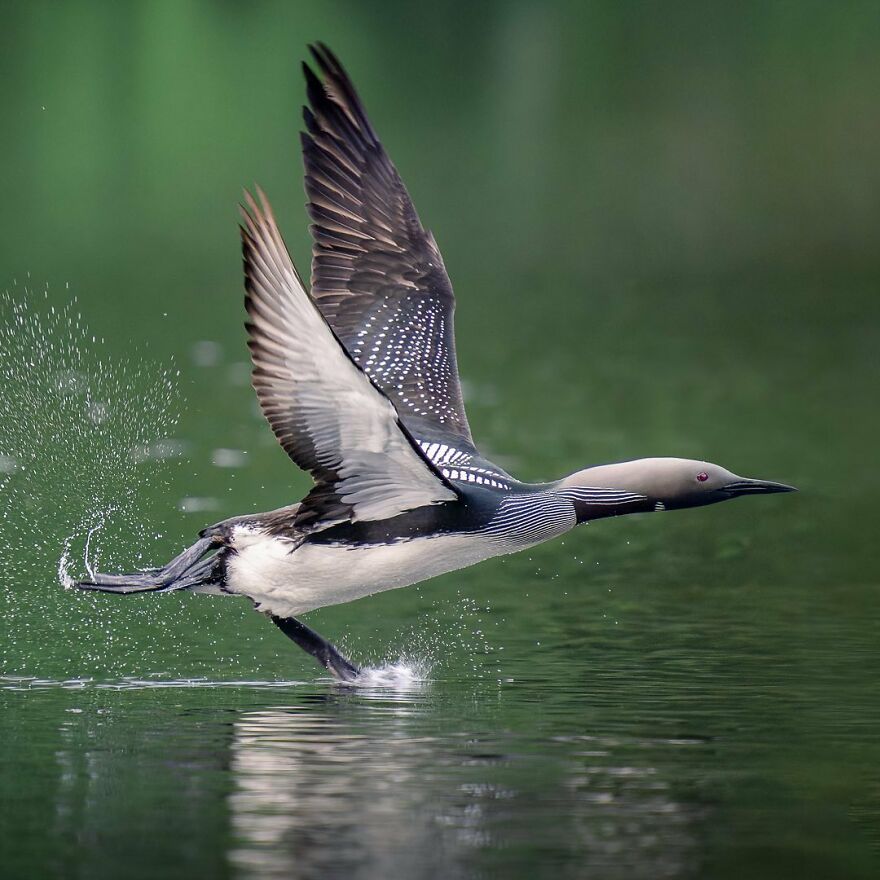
point(661, 223)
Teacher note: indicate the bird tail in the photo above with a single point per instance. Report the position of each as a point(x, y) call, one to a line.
point(201, 568)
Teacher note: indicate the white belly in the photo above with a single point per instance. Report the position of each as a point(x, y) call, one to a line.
point(288, 583)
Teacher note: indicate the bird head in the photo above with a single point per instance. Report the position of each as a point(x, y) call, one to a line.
point(672, 483)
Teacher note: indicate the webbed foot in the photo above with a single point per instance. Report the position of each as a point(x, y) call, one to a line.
point(326, 653)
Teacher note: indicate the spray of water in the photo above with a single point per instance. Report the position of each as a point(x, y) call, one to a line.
point(450, 638)
point(402, 675)
point(82, 436)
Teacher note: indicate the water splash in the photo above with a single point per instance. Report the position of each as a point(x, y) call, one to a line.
point(84, 437)
point(455, 635)
point(75, 427)
point(401, 675)
point(451, 637)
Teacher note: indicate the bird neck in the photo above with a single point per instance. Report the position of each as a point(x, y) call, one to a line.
point(609, 490)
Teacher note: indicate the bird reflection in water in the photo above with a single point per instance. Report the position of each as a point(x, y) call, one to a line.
point(315, 797)
point(364, 783)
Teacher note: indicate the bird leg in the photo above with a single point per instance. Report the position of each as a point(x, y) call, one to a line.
point(191, 568)
point(323, 651)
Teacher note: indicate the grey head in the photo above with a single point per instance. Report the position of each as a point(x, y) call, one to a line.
point(672, 483)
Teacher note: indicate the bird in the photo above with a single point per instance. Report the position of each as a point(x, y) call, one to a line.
point(358, 379)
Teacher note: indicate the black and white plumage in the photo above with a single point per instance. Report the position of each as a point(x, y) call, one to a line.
point(328, 415)
point(358, 379)
point(377, 275)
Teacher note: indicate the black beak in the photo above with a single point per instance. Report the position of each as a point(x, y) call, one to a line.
point(756, 487)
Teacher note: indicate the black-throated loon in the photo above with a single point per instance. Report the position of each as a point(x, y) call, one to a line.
point(358, 380)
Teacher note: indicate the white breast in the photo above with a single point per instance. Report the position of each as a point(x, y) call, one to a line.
point(287, 580)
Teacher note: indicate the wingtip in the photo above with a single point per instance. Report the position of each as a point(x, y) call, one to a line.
point(251, 207)
point(323, 57)
point(257, 211)
point(329, 62)
point(313, 81)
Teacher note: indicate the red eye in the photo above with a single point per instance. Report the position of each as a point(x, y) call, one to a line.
point(703, 477)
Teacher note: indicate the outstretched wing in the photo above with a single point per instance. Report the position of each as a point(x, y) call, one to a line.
point(327, 414)
point(377, 275)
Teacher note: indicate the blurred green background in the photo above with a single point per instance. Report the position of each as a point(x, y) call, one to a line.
point(661, 221)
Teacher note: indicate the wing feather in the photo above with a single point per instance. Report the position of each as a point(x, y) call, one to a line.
point(377, 274)
point(327, 414)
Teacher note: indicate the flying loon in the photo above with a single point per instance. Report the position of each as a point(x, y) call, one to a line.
point(358, 380)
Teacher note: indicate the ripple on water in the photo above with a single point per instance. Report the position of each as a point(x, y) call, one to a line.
point(403, 675)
